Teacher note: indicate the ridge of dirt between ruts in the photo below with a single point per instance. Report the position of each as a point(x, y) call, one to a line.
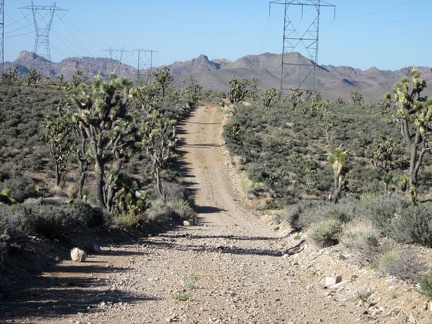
point(233, 268)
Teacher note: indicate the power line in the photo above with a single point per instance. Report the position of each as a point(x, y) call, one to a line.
point(148, 65)
point(304, 34)
point(43, 31)
point(379, 11)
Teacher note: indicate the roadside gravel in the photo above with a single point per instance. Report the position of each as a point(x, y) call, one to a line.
point(233, 267)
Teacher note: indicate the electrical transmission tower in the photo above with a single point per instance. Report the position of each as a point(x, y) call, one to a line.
point(147, 65)
point(42, 18)
point(301, 35)
point(118, 51)
point(2, 35)
point(116, 54)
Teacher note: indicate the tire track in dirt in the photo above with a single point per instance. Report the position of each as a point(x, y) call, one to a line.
point(229, 269)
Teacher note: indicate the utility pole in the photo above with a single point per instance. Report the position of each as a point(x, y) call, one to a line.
point(300, 73)
point(2, 35)
point(43, 29)
point(147, 65)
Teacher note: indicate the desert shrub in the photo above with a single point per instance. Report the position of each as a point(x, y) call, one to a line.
point(413, 225)
point(10, 220)
point(381, 209)
point(401, 263)
point(20, 188)
point(425, 282)
point(127, 220)
point(292, 213)
point(325, 233)
point(174, 191)
point(317, 212)
point(182, 208)
point(50, 221)
point(160, 212)
point(361, 236)
point(86, 215)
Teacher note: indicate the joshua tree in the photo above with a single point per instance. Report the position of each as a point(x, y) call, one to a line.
point(412, 113)
point(106, 124)
point(338, 160)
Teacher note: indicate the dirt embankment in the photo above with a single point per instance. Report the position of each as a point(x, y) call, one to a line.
point(231, 268)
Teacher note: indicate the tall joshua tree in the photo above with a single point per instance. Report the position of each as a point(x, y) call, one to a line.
point(412, 113)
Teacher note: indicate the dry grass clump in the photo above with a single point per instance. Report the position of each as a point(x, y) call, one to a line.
point(325, 232)
point(400, 262)
point(361, 236)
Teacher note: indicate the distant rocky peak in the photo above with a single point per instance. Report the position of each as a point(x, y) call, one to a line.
point(30, 56)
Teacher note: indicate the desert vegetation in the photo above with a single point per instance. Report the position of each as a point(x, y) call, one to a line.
point(89, 154)
point(345, 173)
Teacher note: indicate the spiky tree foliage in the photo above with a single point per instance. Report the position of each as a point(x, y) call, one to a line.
point(60, 142)
point(108, 132)
point(412, 113)
point(33, 77)
point(10, 77)
point(162, 79)
point(157, 128)
point(338, 159)
point(192, 91)
point(357, 98)
point(238, 89)
point(381, 154)
point(270, 97)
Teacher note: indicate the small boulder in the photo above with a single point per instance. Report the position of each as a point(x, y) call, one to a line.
point(332, 280)
point(78, 255)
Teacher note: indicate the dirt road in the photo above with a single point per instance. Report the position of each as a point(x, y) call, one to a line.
point(231, 268)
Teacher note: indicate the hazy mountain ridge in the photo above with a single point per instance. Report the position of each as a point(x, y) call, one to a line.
point(332, 81)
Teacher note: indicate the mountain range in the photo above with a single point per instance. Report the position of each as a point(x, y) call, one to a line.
point(332, 81)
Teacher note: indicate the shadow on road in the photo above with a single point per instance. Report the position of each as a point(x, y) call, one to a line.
point(208, 210)
point(172, 242)
point(65, 288)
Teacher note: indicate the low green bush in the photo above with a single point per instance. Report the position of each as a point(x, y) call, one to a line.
point(361, 236)
point(325, 233)
point(20, 188)
point(160, 212)
point(413, 225)
point(401, 263)
point(127, 220)
point(51, 221)
point(425, 282)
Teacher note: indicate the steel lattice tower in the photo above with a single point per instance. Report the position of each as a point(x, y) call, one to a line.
point(146, 65)
point(300, 36)
point(43, 28)
point(2, 35)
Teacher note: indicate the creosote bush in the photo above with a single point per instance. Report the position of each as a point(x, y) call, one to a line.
point(413, 225)
point(50, 221)
point(362, 237)
point(425, 282)
point(401, 263)
point(325, 233)
point(127, 220)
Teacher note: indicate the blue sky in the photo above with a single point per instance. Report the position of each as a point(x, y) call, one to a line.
point(385, 34)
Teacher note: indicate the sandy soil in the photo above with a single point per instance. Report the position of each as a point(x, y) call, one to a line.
point(233, 267)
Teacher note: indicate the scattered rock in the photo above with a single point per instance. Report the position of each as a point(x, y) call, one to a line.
point(187, 223)
point(78, 255)
point(341, 284)
point(332, 280)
